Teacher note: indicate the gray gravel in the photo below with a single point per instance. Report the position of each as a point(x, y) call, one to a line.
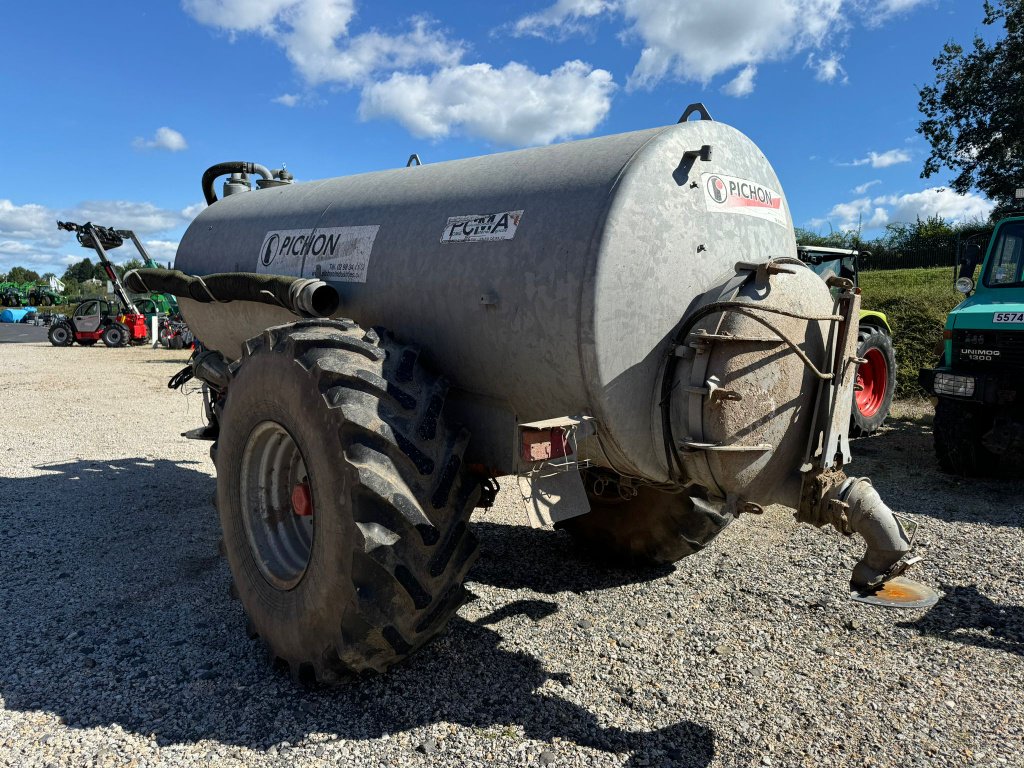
point(120, 645)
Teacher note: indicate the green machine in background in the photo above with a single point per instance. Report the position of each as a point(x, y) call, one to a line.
point(979, 381)
point(876, 375)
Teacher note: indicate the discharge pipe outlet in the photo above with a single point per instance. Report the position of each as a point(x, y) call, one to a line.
point(861, 510)
point(233, 166)
point(303, 296)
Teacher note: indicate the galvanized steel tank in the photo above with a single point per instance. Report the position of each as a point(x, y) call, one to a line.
point(565, 306)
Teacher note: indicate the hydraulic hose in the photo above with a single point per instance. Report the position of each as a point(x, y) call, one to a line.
point(233, 166)
point(303, 296)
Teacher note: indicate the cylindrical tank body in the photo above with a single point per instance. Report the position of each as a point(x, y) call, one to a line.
point(566, 306)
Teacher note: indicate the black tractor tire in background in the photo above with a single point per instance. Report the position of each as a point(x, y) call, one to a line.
point(878, 377)
point(46, 301)
point(175, 342)
point(115, 335)
point(383, 570)
point(60, 335)
point(958, 431)
point(653, 528)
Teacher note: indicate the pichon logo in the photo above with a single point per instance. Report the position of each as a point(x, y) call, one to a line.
point(297, 243)
point(270, 251)
point(717, 189)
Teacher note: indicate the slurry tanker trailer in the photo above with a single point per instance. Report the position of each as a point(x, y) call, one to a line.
point(620, 323)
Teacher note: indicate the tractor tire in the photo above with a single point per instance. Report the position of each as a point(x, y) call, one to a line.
point(46, 301)
point(653, 528)
point(342, 497)
point(958, 431)
point(60, 335)
point(877, 379)
point(176, 342)
point(115, 335)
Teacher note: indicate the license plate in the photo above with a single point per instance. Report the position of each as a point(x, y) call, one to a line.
point(1008, 317)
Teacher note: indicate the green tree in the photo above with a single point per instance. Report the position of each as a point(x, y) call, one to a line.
point(974, 112)
point(129, 265)
point(80, 271)
point(22, 275)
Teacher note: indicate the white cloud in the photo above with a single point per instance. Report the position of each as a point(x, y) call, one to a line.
point(286, 99)
point(883, 159)
point(860, 189)
point(938, 201)
point(873, 213)
point(877, 12)
point(743, 83)
point(513, 105)
point(244, 15)
point(164, 138)
point(162, 251)
point(190, 212)
point(827, 69)
point(696, 40)
point(142, 218)
point(29, 234)
point(26, 221)
point(565, 16)
point(315, 36)
point(14, 248)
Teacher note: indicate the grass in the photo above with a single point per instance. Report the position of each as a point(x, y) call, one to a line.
point(916, 302)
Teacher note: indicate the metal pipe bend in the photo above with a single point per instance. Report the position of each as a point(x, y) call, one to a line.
point(888, 544)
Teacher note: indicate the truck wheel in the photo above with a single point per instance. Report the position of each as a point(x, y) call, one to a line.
point(342, 497)
point(115, 335)
point(60, 335)
point(877, 380)
point(651, 528)
point(958, 429)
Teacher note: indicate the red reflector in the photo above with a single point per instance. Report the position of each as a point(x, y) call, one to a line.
point(544, 444)
point(947, 335)
point(302, 500)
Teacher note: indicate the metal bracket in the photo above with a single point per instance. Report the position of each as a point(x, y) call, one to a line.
point(704, 153)
point(696, 107)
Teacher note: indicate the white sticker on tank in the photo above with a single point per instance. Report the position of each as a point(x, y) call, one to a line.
point(481, 227)
point(729, 194)
point(341, 254)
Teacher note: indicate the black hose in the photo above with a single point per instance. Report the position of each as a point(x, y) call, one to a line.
point(232, 166)
point(303, 296)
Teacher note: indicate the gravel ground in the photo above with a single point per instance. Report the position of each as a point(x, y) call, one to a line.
point(120, 645)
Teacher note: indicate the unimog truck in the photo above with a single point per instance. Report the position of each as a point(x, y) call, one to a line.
point(979, 381)
point(621, 324)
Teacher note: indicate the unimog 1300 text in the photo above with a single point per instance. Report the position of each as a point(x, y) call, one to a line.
point(621, 323)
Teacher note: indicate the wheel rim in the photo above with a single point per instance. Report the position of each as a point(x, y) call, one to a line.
point(60, 335)
point(277, 505)
point(873, 378)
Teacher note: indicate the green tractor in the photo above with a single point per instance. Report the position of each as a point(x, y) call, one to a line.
point(876, 376)
point(12, 295)
point(979, 410)
point(42, 295)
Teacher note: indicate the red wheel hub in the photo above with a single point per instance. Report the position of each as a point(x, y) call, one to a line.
point(873, 378)
point(302, 500)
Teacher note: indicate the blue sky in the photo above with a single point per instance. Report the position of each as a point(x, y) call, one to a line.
point(113, 110)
